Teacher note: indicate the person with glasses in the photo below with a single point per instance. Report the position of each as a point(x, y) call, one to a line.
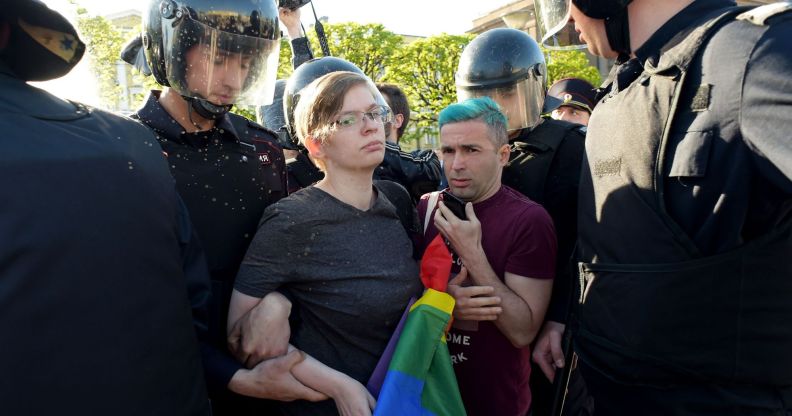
point(337, 248)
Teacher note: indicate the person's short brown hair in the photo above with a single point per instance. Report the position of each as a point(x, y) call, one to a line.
point(320, 102)
point(398, 104)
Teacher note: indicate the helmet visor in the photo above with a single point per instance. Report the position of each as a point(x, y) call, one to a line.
point(521, 103)
point(555, 30)
point(220, 67)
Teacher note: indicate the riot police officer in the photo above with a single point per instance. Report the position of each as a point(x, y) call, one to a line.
point(508, 66)
point(210, 56)
point(685, 208)
point(96, 253)
point(578, 99)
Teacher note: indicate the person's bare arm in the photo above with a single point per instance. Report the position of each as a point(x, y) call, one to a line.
point(291, 20)
point(272, 379)
point(523, 300)
point(351, 397)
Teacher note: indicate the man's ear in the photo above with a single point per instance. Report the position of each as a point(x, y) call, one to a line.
point(503, 154)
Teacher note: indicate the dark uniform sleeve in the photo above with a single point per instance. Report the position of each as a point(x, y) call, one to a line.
point(219, 368)
point(301, 51)
point(419, 171)
point(766, 116)
point(563, 208)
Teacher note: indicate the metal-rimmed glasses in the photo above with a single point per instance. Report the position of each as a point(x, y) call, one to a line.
point(380, 114)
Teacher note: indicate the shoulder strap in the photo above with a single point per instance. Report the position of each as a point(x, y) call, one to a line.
point(400, 198)
point(430, 206)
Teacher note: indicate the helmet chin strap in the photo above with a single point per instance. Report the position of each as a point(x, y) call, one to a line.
point(617, 28)
point(206, 109)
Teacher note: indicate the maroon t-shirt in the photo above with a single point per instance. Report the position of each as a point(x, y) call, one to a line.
point(518, 237)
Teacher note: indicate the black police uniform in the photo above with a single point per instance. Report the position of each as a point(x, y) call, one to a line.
point(93, 256)
point(544, 165)
point(226, 176)
point(419, 172)
point(686, 221)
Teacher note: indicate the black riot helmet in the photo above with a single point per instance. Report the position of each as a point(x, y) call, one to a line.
point(30, 52)
point(215, 53)
point(553, 16)
point(307, 73)
point(508, 66)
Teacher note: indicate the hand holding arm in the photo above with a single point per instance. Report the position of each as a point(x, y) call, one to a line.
point(258, 328)
point(272, 379)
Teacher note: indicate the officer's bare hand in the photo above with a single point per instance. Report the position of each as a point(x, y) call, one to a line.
point(263, 332)
point(464, 235)
point(291, 20)
point(547, 351)
point(473, 303)
point(272, 379)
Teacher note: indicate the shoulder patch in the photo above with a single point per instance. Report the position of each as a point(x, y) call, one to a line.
point(760, 15)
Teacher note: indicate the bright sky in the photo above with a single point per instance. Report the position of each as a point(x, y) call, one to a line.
point(408, 17)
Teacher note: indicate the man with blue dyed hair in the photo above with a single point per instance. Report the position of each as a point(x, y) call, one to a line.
point(504, 254)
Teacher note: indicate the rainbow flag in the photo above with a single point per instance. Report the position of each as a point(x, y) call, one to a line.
point(420, 378)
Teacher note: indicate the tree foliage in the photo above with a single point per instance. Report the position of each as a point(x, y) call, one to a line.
point(284, 60)
point(425, 70)
point(570, 64)
point(370, 46)
point(103, 44)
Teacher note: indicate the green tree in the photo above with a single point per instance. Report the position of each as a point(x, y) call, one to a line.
point(103, 43)
point(369, 46)
point(284, 60)
point(425, 71)
point(570, 64)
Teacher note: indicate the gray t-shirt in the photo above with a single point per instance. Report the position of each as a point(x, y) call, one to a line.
point(350, 274)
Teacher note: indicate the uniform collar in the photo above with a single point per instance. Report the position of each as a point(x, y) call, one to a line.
point(155, 116)
point(676, 29)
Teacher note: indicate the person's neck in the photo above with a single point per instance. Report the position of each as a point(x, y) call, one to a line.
point(647, 16)
point(353, 188)
point(180, 110)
